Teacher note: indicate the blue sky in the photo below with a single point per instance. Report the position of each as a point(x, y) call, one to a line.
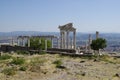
point(47, 15)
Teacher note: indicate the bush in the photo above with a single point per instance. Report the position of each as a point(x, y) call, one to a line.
point(22, 52)
point(42, 52)
point(18, 61)
point(23, 68)
point(4, 57)
point(9, 71)
point(58, 63)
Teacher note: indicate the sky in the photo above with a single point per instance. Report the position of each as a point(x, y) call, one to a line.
point(47, 15)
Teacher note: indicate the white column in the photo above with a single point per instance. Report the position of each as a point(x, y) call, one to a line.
point(46, 45)
point(52, 42)
point(58, 43)
point(61, 39)
point(18, 42)
point(28, 42)
point(67, 40)
point(86, 46)
point(89, 43)
point(74, 39)
point(71, 43)
point(22, 41)
point(64, 40)
point(12, 41)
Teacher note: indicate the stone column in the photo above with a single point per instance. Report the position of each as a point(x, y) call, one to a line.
point(89, 43)
point(12, 42)
point(22, 41)
point(61, 39)
point(18, 42)
point(28, 42)
point(97, 34)
point(86, 46)
point(74, 39)
point(64, 40)
point(71, 43)
point(58, 43)
point(52, 42)
point(67, 40)
point(46, 45)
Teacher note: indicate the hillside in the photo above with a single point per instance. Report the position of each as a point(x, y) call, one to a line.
point(58, 67)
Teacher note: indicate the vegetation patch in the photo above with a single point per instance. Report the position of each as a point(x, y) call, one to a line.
point(35, 68)
point(23, 68)
point(22, 52)
point(18, 61)
point(9, 71)
point(58, 64)
point(4, 57)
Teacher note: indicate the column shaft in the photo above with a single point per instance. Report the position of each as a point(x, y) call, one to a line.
point(64, 40)
point(61, 39)
point(74, 39)
point(28, 42)
point(52, 42)
point(58, 43)
point(46, 45)
point(71, 43)
point(18, 42)
point(67, 41)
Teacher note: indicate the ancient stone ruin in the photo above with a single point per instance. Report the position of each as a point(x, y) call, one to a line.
point(64, 36)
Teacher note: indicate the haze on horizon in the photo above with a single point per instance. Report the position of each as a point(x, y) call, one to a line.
point(47, 15)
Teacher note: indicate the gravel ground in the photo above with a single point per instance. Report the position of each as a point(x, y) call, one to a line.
point(75, 69)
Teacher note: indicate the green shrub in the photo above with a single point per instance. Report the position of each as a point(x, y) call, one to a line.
point(38, 60)
point(22, 52)
point(23, 68)
point(58, 63)
point(9, 71)
point(104, 57)
point(42, 52)
point(4, 57)
point(18, 61)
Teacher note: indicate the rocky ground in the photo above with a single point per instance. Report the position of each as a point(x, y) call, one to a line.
point(57, 67)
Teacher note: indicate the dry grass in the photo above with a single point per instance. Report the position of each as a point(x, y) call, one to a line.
point(49, 65)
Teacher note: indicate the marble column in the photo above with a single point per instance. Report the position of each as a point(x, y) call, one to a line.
point(86, 46)
point(97, 34)
point(22, 41)
point(64, 40)
point(71, 43)
point(52, 42)
point(67, 40)
point(89, 43)
point(18, 42)
point(28, 42)
point(74, 39)
point(61, 39)
point(46, 45)
point(12, 42)
point(58, 43)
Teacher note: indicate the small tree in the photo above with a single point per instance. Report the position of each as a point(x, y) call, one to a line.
point(38, 43)
point(99, 43)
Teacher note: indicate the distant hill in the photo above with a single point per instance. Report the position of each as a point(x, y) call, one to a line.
point(26, 33)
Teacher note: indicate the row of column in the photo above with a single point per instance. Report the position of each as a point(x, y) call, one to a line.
point(65, 43)
point(24, 41)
